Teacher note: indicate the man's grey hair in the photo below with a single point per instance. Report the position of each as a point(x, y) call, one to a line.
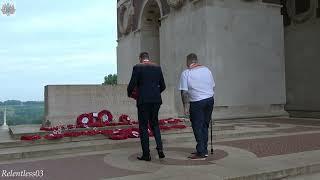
point(192, 58)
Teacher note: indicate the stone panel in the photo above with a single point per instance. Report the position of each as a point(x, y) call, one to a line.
point(65, 102)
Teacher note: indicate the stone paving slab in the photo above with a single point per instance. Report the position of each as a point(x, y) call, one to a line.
point(243, 129)
point(21, 130)
point(283, 149)
point(121, 164)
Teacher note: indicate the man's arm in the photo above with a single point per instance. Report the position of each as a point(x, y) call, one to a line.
point(184, 92)
point(184, 98)
point(133, 81)
point(162, 83)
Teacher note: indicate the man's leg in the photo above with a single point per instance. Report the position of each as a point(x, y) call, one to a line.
point(154, 124)
point(197, 118)
point(143, 116)
point(208, 116)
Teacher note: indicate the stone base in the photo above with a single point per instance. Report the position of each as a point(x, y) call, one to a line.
point(304, 114)
point(244, 112)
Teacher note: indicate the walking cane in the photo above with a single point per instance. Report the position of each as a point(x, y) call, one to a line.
point(211, 127)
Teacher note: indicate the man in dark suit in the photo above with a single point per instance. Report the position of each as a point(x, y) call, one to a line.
point(147, 79)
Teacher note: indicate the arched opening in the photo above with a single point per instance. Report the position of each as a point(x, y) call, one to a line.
point(150, 25)
point(302, 6)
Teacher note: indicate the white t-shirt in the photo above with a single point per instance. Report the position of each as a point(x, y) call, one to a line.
point(198, 82)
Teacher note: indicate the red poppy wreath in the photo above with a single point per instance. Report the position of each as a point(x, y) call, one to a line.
point(84, 120)
point(105, 117)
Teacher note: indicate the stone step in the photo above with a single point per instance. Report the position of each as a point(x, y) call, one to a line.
point(281, 174)
point(44, 148)
point(217, 135)
point(19, 143)
point(65, 148)
point(22, 130)
point(68, 145)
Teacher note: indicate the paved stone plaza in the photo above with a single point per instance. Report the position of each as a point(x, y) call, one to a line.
point(273, 148)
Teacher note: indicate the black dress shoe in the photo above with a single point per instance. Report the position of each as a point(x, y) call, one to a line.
point(161, 154)
point(144, 158)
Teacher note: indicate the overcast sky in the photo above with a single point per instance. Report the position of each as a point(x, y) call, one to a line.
point(56, 42)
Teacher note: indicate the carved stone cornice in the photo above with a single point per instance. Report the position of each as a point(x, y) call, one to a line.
point(125, 16)
point(176, 4)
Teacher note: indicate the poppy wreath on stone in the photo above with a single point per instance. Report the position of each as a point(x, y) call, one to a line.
point(135, 94)
point(90, 133)
point(71, 126)
point(48, 128)
point(134, 133)
point(174, 121)
point(96, 124)
point(53, 136)
point(105, 117)
point(124, 118)
point(30, 138)
point(84, 120)
point(164, 128)
point(107, 132)
point(150, 133)
point(72, 134)
point(179, 127)
point(119, 136)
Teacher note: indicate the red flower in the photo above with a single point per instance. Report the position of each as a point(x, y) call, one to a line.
point(119, 136)
point(134, 133)
point(48, 128)
point(53, 136)
point(173, 121)
point(30, 138)
point(90, 133)
point(135, 94)
point(134, 122)
point(72, 134)
point(164, 128)
point(96, 124)
point(84, 120)
point(162, 121)
point(179, 126)
point(124, 118)
point(82, 126)
point(107, 132)
point(150, 133)
point(105, 116)
point(71, 126)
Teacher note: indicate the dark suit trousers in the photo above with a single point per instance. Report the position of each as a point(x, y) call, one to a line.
point(148, 113)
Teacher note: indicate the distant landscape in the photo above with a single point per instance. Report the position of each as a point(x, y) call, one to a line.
point(19, 112)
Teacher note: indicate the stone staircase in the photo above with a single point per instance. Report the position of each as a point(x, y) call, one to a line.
point(13, 148)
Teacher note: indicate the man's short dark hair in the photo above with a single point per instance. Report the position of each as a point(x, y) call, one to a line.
point(192, 57)
point(144, 55)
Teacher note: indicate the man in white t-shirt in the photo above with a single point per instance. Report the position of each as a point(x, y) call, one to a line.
point(197, 86)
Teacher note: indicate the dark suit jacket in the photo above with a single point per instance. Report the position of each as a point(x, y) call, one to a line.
point(149, 81)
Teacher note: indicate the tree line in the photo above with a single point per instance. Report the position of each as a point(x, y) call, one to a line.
point(20, 103)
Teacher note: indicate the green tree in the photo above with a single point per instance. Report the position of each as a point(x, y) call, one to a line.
point(12, 102)
point(111, 79)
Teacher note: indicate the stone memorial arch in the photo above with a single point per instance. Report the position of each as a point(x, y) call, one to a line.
point(235, 38)
point(149, 25)
point(264, 56)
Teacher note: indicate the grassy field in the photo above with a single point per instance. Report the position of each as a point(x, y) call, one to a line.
point(23, 114)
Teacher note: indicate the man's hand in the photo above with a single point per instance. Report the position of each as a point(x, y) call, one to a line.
point(186, 111)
